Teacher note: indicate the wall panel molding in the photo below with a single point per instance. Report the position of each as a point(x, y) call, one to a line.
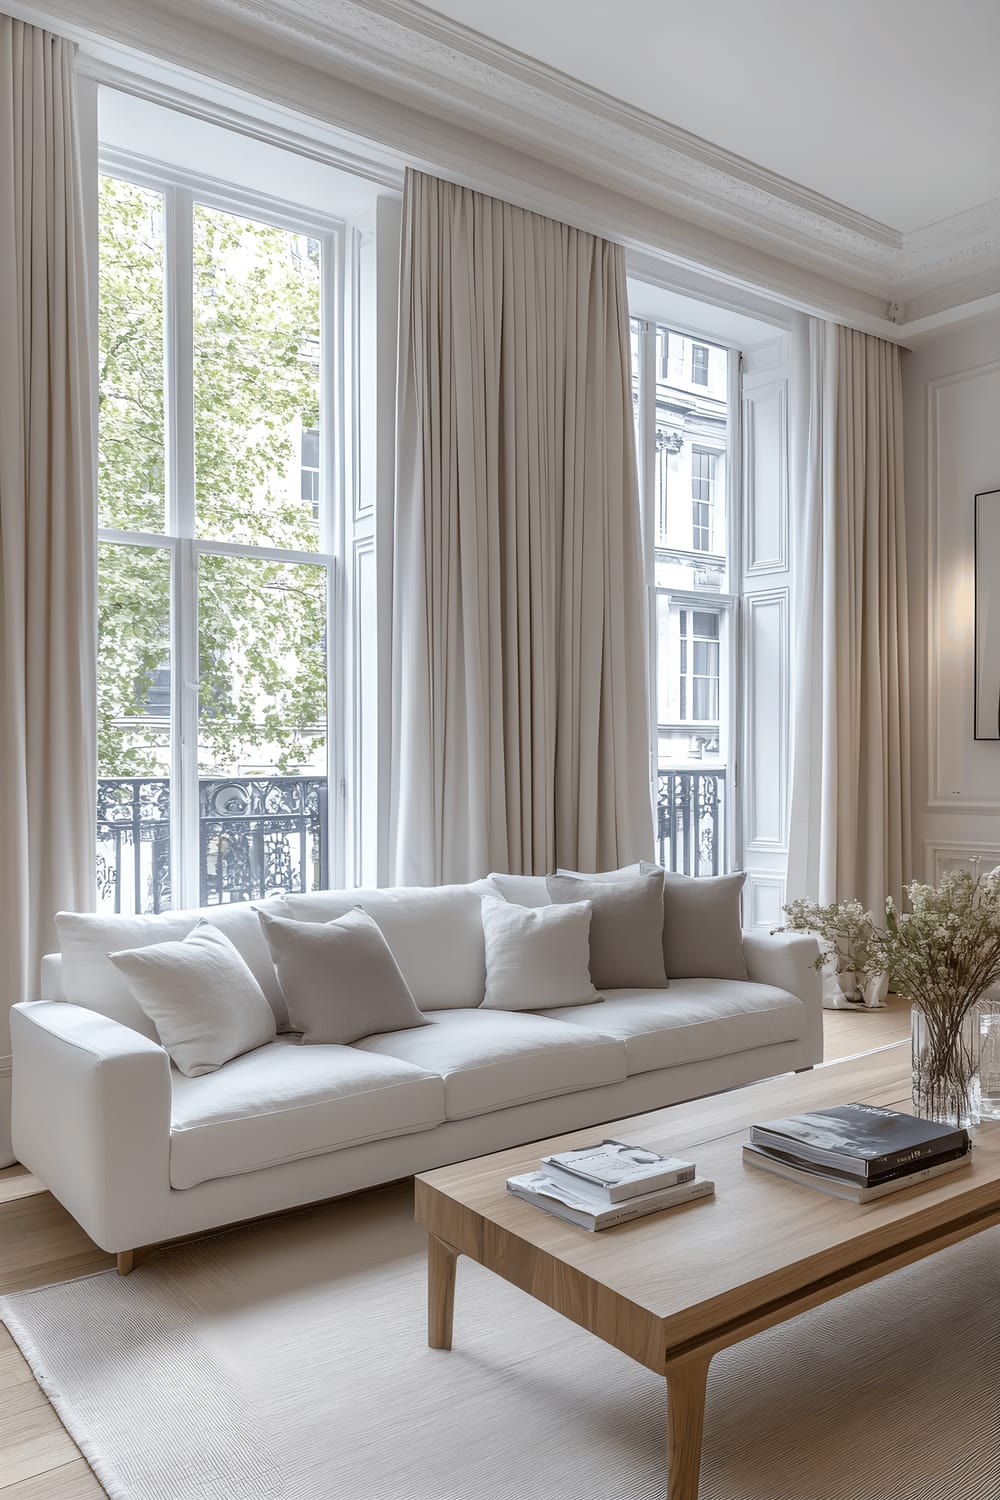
point(942, 855)
point(765, 485)
point(764, 897)
point(766, 713)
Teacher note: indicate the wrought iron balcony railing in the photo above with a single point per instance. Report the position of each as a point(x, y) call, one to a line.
point(690, 820)
point(258, 836)
point(261, 835)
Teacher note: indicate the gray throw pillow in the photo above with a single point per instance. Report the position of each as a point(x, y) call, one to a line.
point(339, 979)
point(702, 929)
point(626, 928)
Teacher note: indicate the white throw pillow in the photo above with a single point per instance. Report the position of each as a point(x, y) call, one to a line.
point(537, 958)
point(202, 998)
point(340, 979)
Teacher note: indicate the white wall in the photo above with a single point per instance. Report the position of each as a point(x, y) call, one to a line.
point(951, 386)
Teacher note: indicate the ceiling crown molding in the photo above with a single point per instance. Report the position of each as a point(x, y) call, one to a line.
point(408, 53)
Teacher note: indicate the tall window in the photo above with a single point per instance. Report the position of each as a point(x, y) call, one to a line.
point(702, 496)
point(683, 464)
point(215, 552)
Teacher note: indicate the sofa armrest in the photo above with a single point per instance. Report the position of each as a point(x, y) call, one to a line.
point(785, 959)
point(90, 1117)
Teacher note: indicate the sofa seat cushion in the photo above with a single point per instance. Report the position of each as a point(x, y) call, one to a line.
point(693, 1021)
point(286, 1101)
point(494, 1059)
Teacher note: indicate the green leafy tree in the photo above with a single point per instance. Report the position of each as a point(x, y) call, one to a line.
point(261, 622)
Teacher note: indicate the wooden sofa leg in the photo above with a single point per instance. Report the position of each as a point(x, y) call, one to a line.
point(126, 1262)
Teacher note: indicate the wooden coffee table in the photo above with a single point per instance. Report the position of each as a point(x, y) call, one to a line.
point(673, 1289)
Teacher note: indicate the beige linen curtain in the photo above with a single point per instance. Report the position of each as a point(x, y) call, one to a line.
point(519, 736)
point(47, 511)
point(850, 805)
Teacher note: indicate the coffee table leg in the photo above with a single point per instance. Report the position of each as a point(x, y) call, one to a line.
point(686, 1411)
point(441, 1261)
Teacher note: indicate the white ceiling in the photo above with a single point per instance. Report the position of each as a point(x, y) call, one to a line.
point(889, 107)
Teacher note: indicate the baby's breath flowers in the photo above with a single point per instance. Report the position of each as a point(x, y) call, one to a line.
point(943, 955)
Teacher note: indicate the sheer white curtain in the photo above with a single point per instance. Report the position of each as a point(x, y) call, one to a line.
point(850, 806)
point(519, 694)
point(47, 511)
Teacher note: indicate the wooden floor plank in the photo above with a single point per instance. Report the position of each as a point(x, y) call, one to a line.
point(40, 1243)
point(72, 1481)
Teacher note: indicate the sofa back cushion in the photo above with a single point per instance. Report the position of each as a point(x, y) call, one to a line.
point(89, 978)
point(435, 934)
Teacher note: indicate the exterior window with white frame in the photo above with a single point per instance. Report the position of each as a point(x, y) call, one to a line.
point(216, 556)
point(682, 402)
point(702, 498)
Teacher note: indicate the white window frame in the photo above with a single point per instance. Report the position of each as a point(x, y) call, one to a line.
point(709, 479)
point(180, 190)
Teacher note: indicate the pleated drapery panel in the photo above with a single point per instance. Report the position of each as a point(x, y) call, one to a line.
point(48, 521)
point(520, 736)
point(850, 833)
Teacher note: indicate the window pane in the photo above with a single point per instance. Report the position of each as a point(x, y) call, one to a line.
point(706, 659)
point(262, 727)
point(133, 728)
point(706, 698)
point(256, 379)
point(130, 337)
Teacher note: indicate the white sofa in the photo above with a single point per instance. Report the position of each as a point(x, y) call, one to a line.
point(139, 1153)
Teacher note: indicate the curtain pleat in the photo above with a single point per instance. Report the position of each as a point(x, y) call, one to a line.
point(48, 614)
point(850, 833)
point(519, 725)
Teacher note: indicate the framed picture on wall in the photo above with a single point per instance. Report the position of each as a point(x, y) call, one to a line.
point(987, 696)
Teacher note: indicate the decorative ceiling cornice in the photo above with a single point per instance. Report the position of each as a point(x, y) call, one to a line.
point(404, 51)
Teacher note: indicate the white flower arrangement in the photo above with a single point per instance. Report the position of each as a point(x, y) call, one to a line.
point(943, 955)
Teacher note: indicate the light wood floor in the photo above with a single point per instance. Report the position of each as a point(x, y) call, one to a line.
point(40, 1243)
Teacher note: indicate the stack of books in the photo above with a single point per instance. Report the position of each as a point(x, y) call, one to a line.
point(599, 1186)
point(857, 1151)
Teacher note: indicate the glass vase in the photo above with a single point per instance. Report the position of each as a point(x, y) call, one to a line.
point(945, 1059)
point(989, 1057)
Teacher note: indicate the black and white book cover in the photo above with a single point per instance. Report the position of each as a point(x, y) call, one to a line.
point(843, 1185)
point(862, 1139)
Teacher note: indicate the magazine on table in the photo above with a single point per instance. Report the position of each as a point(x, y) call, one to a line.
point(864, 1140)
point(566, 1203)
point(621, 1171)
point(842, 1185)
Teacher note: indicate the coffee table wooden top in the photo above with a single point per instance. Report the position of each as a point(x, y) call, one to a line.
point(707, 1274)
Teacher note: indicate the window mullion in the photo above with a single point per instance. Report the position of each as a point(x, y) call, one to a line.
point(179, 324)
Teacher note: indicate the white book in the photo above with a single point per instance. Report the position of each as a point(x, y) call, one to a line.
point(619, 1170)
point(565, 1203)
point(840, 1187)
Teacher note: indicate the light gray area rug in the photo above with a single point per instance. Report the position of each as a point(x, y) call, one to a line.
point(289, 1359)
